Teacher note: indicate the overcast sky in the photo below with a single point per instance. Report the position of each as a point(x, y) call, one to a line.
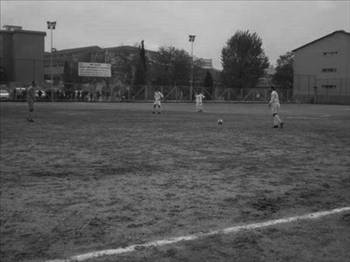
point(282, 25)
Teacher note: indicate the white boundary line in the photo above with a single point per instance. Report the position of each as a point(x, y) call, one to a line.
point(228, 230)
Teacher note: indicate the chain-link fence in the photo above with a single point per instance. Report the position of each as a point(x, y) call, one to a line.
point(216, 94)
point(104, 91)
point(307, 89)
point(261, 94)
point(314, 89)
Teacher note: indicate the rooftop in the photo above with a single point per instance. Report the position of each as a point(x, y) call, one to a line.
point(15, 29)
point(79, 49)
point(312, 42)
point(22, 32)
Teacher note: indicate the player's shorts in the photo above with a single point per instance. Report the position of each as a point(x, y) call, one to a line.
point(156, 103)
point(31, 106)
point(275, 108)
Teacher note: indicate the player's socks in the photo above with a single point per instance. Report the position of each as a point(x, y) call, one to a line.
point(278, 118)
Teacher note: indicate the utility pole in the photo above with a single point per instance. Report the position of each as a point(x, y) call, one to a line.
point(51, 26)
point(0, 15)
point(191, 39)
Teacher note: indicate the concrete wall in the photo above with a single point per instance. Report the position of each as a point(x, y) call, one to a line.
point(22, 55)
point(6, 54)
point(28, 52)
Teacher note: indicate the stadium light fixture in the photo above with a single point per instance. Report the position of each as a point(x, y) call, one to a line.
point(52, 26)
point(191, 39)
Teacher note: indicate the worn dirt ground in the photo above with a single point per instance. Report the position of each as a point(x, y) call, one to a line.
point(86, 177)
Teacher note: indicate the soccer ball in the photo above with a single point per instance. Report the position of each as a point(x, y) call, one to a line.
point(220, 122)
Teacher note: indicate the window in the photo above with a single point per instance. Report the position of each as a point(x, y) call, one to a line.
point(329, 70)
point(329, 86)
point(330, 53)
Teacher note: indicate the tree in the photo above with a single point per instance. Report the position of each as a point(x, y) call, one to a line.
point(67, 75)
point(71, 71)
point(143, 56)
point(243, 60)
point(209, 83)
point(122, 67)
point(283, 76)
point(141, 66)
point(172, 66)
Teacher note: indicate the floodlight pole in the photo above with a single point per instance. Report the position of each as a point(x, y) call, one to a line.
point(191, 39)
point(51, 26)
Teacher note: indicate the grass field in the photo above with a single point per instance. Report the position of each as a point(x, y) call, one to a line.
point(92, 176)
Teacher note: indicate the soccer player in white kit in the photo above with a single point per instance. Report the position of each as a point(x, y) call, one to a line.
point(274, 105)
point(157, 98)
point(199, 102)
